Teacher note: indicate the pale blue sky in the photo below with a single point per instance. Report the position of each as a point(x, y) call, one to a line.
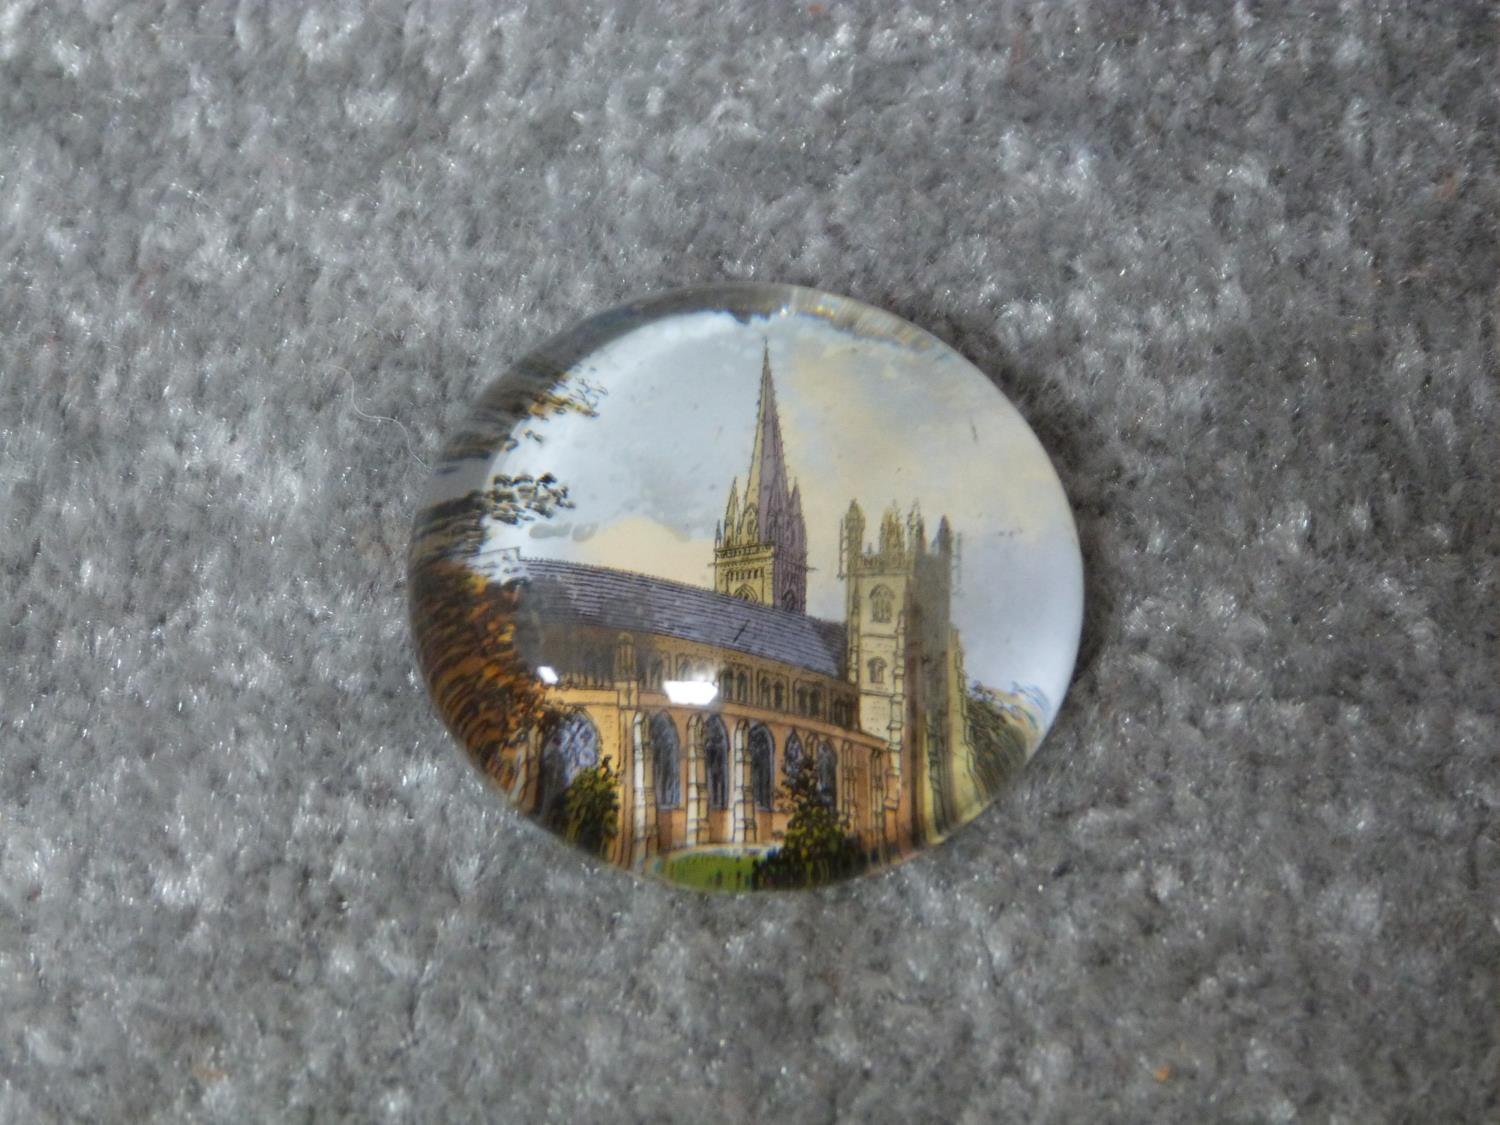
point(862, 418)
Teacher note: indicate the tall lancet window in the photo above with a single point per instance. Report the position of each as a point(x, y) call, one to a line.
point(762, 762)
point(664, 760)
point(716, 762)
point(828, 775)
point(574, 746)
point(793, 756)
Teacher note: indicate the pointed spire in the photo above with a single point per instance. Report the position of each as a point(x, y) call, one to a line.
point(851, 539)
point(891, 539)
point(732, 512)
point(768, 514)
point(854, 528)
point(766, 485)
point(944, 539)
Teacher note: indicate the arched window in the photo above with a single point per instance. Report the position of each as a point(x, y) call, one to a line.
point(716, 762)
point(726, 684)
point(789, 600)
point(801, 700)
point(828, 775)
point(762, 762)
point(815, 703)
point(684, 668)
point(881, 603)
point(765, 692)
point(749, 528)
point(778, 695)
point(574, 746)
point(742, 688)
point(746, 593)
point(658, 673)
point(877, 671)
point(792, 757)
point(664, 759)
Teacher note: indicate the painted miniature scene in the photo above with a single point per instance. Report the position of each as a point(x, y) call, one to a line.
point(732, 604)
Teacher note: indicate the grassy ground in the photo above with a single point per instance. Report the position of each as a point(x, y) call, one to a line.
point(710, 870)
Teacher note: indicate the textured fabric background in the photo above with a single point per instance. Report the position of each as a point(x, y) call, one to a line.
point(1236, 265)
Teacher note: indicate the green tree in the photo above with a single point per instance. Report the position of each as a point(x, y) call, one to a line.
point(815, 849)
point(466, 625)
point(591, 806)
point(1000, 745)
point(514, 410)
point(511, 413)
point(465, 628)
point(455, 528)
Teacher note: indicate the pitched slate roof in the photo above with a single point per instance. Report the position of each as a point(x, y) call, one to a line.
point(621, 599)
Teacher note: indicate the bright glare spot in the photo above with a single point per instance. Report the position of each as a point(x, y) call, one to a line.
point(695, 693)
point(547, 674)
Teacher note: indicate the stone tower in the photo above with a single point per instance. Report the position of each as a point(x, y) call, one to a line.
point(897, 597)
point(760, 548)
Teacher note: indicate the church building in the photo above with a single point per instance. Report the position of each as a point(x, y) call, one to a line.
point(705, 699)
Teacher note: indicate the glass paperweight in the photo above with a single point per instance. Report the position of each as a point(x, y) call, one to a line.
point(746, 587)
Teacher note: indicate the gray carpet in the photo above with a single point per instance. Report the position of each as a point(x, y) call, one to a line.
point(1237, 265)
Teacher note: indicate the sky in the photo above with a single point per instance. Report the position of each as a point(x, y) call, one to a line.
point(863, 417)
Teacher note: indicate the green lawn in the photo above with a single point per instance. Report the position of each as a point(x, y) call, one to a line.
point(710, 871)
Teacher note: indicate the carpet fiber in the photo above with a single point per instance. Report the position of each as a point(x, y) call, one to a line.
point(1237, 266)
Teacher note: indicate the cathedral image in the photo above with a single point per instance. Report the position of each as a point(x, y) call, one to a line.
point(704, 700)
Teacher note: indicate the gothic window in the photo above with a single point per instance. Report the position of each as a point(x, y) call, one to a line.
point(748, 529)
point(801, 700)
point(881, 603)
point(765, 692)
point(684, 668)
point(726, 683)
point(877, 671)
point(849, 800)
point(828, 775)
point(793, 755)
point(573, 746)
point(716, 762)
point(664, 757)
point(742, 688)
point(778, 695)
point(762, 761)
point(658, 673)
point(815, 703)
point(746, 593)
